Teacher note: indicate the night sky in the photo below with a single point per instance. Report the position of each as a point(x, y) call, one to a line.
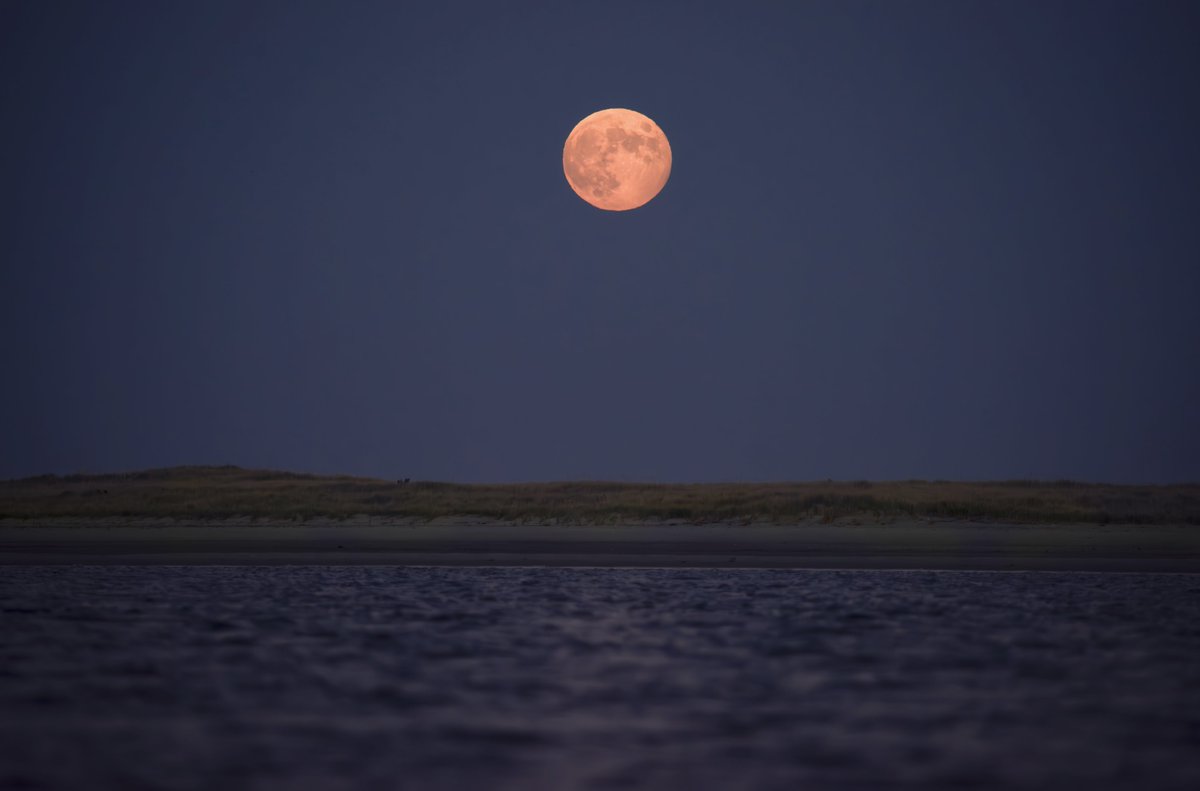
point(900, 240)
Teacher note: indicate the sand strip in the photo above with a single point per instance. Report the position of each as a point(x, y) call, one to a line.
point(898, 545)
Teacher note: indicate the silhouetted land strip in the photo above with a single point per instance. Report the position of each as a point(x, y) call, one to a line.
point(200, 493)
point(899, 544)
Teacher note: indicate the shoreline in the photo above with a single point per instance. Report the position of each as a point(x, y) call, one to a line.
point(948, 545)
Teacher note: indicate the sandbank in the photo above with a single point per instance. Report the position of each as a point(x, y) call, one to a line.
point(933, 545)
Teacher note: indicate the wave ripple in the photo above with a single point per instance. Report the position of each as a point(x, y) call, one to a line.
point(382, 677)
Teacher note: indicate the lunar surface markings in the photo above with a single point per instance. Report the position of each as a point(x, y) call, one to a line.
point(617, 159)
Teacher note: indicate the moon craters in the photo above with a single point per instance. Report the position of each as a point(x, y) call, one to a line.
point(617, 159)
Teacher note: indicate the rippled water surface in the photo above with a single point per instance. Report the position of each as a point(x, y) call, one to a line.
point(382, 677)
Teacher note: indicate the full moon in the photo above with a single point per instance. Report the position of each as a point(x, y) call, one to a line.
point(617, 159)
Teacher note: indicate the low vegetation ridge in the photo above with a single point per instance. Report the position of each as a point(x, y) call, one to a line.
point(228, 492)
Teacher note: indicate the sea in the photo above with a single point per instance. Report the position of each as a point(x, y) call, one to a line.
point(371, 677)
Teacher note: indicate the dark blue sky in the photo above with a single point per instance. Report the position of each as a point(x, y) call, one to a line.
point(929, 239)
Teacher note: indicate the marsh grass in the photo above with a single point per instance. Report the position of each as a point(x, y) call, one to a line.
point(228, 492)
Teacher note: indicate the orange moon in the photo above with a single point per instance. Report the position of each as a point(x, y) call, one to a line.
point(617, 159)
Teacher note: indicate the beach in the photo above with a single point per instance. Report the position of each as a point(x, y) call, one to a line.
point(933, 545)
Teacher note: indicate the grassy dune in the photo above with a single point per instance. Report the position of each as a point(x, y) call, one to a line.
point(225, 492)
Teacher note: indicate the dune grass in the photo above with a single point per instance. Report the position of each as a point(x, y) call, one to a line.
point(229, 492)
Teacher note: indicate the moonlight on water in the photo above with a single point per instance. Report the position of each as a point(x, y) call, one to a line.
point(617, 159)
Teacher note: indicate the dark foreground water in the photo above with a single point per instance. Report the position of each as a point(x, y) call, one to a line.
point(382, 677)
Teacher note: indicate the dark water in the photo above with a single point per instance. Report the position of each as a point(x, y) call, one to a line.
point(381, 677)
